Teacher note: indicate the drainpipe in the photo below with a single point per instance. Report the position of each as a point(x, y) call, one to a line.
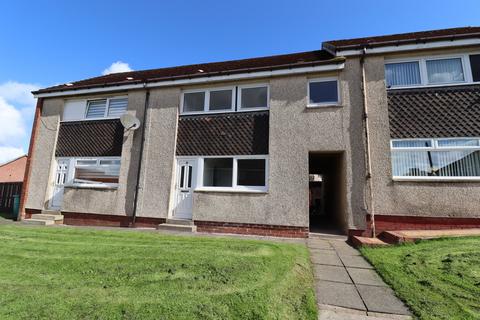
point(368, 164)
point(140, 155)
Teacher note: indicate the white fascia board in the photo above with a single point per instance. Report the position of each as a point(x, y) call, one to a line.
point(200, 80)
point(410, 47)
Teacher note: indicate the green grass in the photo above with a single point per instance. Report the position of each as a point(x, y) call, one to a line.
point(73, 273)
point(438, 279)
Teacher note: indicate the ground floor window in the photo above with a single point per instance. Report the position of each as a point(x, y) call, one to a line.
point(91, 171)
point(99, 170)
point(439, 159)
point(235, 173)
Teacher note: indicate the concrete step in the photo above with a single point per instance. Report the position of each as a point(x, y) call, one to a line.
point(38, 222)
point(176, 227)
point(183, 222)
point(43, 216)
point(358, 242)
point(53, 212)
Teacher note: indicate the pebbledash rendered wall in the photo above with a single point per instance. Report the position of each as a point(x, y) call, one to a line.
point(296, 130)
point(413, 198)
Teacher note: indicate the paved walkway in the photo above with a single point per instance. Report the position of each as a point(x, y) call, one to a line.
point(347, 287)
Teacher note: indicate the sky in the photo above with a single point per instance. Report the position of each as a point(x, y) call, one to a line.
point(43, 43)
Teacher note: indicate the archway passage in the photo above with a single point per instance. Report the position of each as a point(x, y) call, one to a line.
point(326, 193)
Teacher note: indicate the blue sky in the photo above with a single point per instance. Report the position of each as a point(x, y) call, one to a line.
point(43, 43)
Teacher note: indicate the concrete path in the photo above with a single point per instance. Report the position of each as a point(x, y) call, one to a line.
point(347, 287)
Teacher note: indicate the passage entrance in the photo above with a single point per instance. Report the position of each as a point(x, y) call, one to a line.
point(326, 193)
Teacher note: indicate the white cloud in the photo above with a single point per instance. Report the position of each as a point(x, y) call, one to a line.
point(12, 126)
point(10, 153)
point(16, 92)
point(16, 115)
point(117, 67)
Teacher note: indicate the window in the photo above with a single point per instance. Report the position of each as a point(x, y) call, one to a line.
point(103, 108)
point(445, 71)
point(450, 158)
point(435, 70)
point(475, 65)
point(213, 100)
point(97, 171)
point(193, 101)
point(323, 92)
point(251, 97)
point(217, 172)
point(402, 74)
point(220, 100)
point(251, 172)
point(247, 173)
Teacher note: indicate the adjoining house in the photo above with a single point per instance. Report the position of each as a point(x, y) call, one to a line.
point(12, 174)
point(363, 135)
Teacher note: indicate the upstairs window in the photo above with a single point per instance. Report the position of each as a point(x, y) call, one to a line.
point(322, 92)
point(445, 71)
point(438, 159)
point(229, 99)
point(106, 108)
point(402, 74)
point(435, 70)
point(253, 97)
point(475, 65)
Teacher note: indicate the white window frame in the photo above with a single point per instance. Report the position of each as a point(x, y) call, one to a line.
point(434, 147)
point(99, 185)
point(422, 60)
point(324, 104)
point(250, 86)
point(107, 107)
point(235, 187)
point(206, 103)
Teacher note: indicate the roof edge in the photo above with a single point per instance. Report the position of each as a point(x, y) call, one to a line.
point(10, 161)
point(193, 78)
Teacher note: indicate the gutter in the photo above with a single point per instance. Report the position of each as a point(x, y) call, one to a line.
point(140, 158)
point(368, 163)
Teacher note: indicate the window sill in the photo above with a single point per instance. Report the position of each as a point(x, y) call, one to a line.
point(436, 179)
point(230, 190)
point(451, 84)
point(92, 186)
point(323, 105)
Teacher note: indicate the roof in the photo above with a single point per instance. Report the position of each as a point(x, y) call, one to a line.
point(403, 38)
point(14, 170)
point(434, 112)
point(293, 60)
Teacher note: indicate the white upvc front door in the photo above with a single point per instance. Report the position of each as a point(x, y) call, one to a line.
point(185, 184)
point(61, 177)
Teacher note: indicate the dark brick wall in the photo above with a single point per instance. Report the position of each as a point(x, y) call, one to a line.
point(252, 229)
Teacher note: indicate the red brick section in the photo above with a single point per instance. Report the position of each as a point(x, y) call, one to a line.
point(28, 166)
point(392, 223)
point(252, 229)
point(104, 220)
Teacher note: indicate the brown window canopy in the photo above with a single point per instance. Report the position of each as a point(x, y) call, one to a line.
point(223, 134)
point(98, 138)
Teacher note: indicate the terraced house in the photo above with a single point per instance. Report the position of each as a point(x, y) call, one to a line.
point(361, 136)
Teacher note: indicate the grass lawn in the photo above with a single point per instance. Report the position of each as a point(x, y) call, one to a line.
point(73, 273)
point(438, 279)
